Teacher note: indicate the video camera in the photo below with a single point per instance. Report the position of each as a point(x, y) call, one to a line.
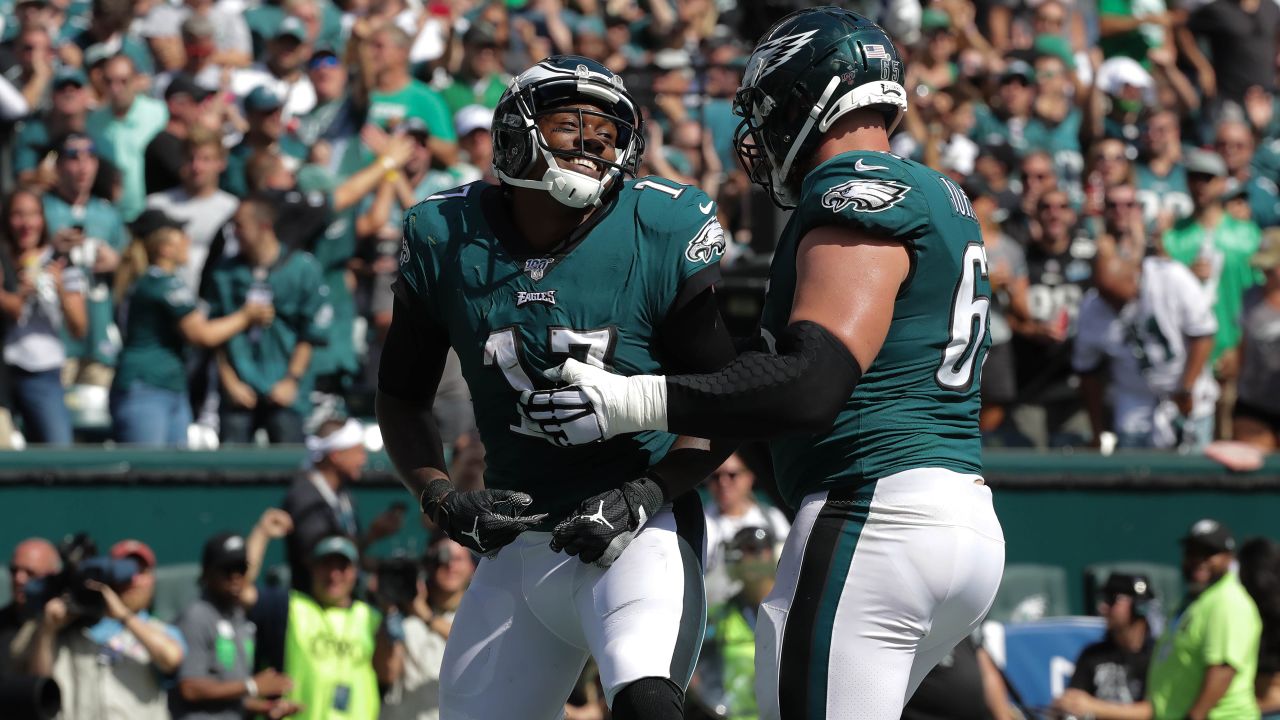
point(80, 565)
point(398, 581)
point(26, 697)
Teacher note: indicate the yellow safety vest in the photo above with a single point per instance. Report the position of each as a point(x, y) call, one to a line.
point(328, 653)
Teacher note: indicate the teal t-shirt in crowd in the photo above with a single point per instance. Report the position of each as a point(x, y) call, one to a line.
point(124, 140)
point(154, 348)
point(415, 99)
point(101, 221)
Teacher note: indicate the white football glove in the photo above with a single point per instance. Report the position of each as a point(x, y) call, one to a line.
point(596, 405)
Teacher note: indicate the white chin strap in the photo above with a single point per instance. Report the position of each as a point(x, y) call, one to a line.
point(568, 187)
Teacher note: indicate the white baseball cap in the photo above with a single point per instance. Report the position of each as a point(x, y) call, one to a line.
point(472, 118)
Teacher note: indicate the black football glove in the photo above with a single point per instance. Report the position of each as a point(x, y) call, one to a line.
point(602, 526)
point(480, 520)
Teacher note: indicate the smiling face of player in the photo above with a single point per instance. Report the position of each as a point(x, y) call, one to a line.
point(568, 130)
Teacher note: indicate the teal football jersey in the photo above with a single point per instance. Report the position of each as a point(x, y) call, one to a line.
point(512, 318)
point(917, 405)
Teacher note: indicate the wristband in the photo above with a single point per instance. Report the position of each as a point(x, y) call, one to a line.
point(388, 164)
point(250, 688)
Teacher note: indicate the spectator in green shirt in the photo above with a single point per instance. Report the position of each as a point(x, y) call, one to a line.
point(1217, 247)
point(265, 373)
point(480, 80)
point(395, 96)
point(1205, 663)
point(124, 126)
point(1132, 27)
point(149, 403)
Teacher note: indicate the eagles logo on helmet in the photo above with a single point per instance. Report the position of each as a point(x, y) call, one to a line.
point(811, 69)
point(549, 87)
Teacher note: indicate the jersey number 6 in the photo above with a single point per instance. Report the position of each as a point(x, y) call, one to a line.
point(969, 314)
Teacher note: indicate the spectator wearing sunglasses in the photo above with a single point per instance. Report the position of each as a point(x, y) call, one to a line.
point(734, 506)
point(216, 680)
point(124, 126)
point(1059, 272)
point(1235, 143)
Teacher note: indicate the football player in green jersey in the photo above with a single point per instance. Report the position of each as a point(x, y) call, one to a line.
point(565, 258)
point(878, 301)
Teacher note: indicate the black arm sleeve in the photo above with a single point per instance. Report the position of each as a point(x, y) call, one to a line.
point(413, 358)
point(759, 396)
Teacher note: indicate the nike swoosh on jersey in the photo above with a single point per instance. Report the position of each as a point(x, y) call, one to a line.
point(706, 209)
point(861, 166)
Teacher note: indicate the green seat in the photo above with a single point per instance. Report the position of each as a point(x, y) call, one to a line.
point(177, 586)
point(1030, 592)
point(1166, 581)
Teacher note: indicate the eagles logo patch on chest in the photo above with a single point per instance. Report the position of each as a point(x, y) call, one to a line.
point(869, 196)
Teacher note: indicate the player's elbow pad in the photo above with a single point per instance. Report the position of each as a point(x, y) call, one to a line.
point(799, 390)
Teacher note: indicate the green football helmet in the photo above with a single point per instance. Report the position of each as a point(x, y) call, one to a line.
point(545, 88)
point(808, 70)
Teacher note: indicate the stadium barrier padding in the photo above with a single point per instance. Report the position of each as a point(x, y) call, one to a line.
point(1068, 510)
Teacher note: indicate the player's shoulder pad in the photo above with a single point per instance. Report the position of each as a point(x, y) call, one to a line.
point(876, 192)
point(680, 214)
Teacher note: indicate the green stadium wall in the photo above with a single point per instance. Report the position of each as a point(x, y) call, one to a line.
point(1065, 510)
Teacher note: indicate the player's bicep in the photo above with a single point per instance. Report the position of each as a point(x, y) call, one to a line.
point(413, 355)
point(694, 338)
point(847, 281)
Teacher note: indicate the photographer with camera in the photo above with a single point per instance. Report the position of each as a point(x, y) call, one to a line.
point(32, 559)
point(216, 680)
point(419, 614)
point(96, 639)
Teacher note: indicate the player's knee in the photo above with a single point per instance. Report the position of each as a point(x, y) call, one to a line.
point(651, 698)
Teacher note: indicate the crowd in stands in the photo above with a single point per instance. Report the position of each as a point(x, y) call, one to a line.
point(202, 198)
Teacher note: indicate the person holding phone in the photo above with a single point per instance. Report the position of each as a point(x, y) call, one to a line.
point(41, 297)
